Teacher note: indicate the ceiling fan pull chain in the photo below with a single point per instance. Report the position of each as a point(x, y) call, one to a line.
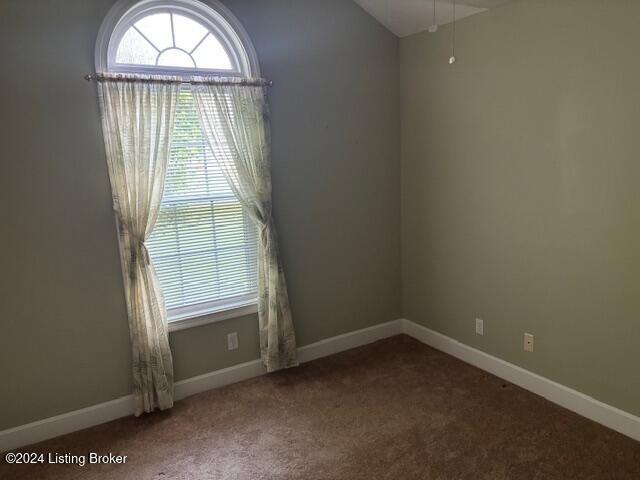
point(452, 59)
point(434, 24)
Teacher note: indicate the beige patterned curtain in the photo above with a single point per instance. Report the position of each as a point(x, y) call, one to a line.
point(137, 122)
point(233, 119)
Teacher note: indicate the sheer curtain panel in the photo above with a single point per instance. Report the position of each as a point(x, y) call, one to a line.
point(233, 120)
point(137, 120)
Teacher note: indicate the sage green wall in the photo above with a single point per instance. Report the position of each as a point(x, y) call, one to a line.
point(520, 193)
point(64, 341)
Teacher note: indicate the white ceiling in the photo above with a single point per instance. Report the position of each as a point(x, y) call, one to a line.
point(406, 17)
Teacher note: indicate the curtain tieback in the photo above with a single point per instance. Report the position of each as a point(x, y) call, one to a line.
point(266, 224)
point(139, 253)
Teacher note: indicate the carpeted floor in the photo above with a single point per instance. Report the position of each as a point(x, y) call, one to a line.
point(396, 409)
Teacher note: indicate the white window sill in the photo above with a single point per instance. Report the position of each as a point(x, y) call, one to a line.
point(204, 317)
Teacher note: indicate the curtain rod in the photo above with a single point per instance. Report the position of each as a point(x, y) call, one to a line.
point(245, 82)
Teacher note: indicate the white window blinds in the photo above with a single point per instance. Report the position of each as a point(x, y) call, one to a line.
point(204, 247)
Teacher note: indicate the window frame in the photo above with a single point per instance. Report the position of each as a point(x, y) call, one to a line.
point(213, 15)
point(235, 40)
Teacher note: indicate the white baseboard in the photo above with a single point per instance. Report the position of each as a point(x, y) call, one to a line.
point(65, 423)
point(105, 412)
point(323, 348)
point(566, 397)
point(573, 400)
point(350, 340)
point(217, 379)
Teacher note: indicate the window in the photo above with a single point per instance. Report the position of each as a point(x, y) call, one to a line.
point(204, 247)
point(169, 39)
point(177, 37)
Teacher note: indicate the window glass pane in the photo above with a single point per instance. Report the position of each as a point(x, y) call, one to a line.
point(188, 32)
point(211, 54)
point(175, 58)
point(204, 247)
point(157, 28)
point(134, 49)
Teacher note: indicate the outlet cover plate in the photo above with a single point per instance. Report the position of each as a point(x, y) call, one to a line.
point(528, 342)
point(232, 341)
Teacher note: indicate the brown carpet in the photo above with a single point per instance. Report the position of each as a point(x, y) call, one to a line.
point(392, 410)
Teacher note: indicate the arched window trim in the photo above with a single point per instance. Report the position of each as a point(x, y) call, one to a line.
point(218, 18)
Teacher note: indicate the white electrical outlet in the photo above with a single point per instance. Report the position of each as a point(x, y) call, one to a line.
point(528, 342)
point(232, 341)
point(479, 326)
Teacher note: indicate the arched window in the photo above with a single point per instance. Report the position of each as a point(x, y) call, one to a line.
point(179, 37)
point(204, 246)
